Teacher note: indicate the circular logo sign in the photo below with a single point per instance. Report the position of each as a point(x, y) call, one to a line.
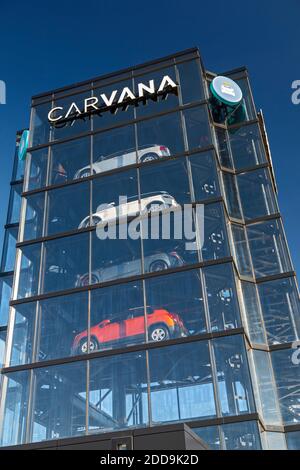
point(23, 145)
point(226, 90)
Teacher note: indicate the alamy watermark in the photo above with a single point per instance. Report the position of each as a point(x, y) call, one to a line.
point(296, 94)
point(2, 92)
point(296, 353)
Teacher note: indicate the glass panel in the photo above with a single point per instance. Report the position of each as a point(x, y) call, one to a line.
point(15, 412)
point(224, 150)
point(215, 244)
point(276, 441)
point(181, 383)
point(2, 346)
point(258, 183)
point(268, 248)
point(70, 161)
point(175, 306)
point(241, 436)
point(255, 325)
point(234, 383)
point(67, 207)
point(114, 115)
point(287, 375)
point(38, 169)
point(19, 166)
point(204, 175)
point(222, 298)
point(197, 127)
point(293, 440)
point(281, 310)
point(65, 261)
point(246, 146)
point(169, 179)
point(29, 270)
point(210, 435)
point(242, 254)
point(5, 295)
point(33, 224)
point(113, 258)
point(118, 392)
point(266, 397)
point(9, 249)
point(114, 196)
point(116, 148)
point(191, 81)
point(61, 320)
point(247, 98)
point(117, 318)
point(15, 204)
point(232, 195)
point(40, 128)
point(164, 131)
point(74, 124)
point(59, 402)
point(23, 331)
point(157, 104)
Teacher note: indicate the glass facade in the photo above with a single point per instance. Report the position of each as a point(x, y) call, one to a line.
point(108, 331)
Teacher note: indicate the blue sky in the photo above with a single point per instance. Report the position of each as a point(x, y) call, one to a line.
point(44, 45)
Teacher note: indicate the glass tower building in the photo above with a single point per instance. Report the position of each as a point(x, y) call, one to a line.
point(106, 334)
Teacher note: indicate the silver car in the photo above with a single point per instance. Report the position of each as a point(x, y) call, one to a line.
point(146, 153)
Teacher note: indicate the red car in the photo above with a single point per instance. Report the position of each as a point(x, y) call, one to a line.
point(161, 325)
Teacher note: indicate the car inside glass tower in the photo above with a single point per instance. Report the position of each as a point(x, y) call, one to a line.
point(105, 334)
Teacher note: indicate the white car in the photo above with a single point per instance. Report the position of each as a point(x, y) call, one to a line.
point(150, 202)
point(146, 153)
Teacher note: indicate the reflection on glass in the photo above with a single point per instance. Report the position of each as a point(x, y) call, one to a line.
point(118, 392)
point(181, 383)
point(23, 333)
point(234, 384)
point(33, 224)
point(232, 196)
point(241, 436)
point(253, 313)
point(246, 146)
point(241, 248)
point(197, 127)
point(65, 260)
point(204, 174)
point(215, 244)
point(38, 169)
point(29, 270)
point(9, 249)
point(59, 402)
point(178, 301)
point(268, 248)
point(222, 297)
point(210, 435)
point(293, 440)
point(191, 85)
point(40, 128)
point(14, 203)
point(281, 310)
point(5, 295)
point(15, 412)
point(70, 160)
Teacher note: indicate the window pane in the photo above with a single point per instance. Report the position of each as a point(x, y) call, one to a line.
point(38, 169)
point(59, 402)
point(287, 375)
point(281, 310)
point(70, 160)
point(40, 128)
point(117, 318)
point(5, 295)
point(61, 320)
point(191, 81)
point(23, 331)
point(197, 127)
point(268, 248)
point(224, 151)
point(222, 298)
point(204, 175)
point(176, 306)
point(234, 384)
point(157, 104)
point(232, 196)
point(118, 392)
point(113, 258)
point(258, 183)
point(169, 179)
point(215, 237)
point(164, 131)
point(65, 260)
point(15, 412)
point(181, 383)
point(293, 440)
point(253, 313)
point(241, 249)
point(14, 204)
point(19, 166)
point(67, 207)
point(9, 249)
point(115, 149)
point(210, 435)
point(33, 224)
point(241, 436)
point(29, 271)
point(246, 146)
